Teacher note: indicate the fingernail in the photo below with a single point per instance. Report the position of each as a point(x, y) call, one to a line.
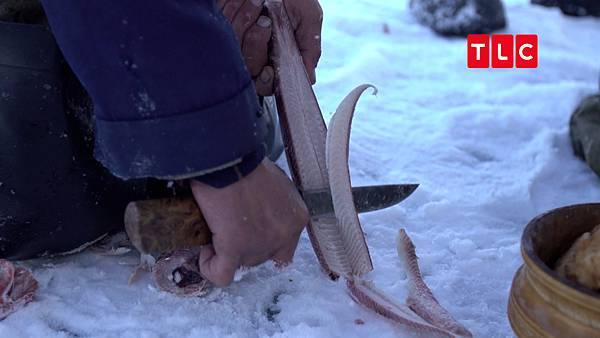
point(257, 3)
point(264, 22)
point(265, 77)
point(313, 76)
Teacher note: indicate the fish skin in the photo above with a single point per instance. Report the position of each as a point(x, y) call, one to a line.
point(302, 125)
point(17, 288)
point(167, 264)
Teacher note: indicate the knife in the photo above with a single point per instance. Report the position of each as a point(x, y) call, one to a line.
point(161, 225)
point(366, 199)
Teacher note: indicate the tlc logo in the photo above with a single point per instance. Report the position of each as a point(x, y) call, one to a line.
point(506, 51)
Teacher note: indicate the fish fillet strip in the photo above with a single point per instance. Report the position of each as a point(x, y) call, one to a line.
point(336, 153)
point(421, 299)
point(305, 144)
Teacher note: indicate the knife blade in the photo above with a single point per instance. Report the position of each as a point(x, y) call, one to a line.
point(182, 224)
point(366, 199)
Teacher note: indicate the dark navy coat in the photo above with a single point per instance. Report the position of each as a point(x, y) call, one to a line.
point(171, 93)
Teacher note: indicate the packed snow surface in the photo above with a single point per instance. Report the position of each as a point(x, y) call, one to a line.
point(490, 149)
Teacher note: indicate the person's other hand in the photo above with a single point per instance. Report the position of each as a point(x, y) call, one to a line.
point(253, 220)
point(253, 31)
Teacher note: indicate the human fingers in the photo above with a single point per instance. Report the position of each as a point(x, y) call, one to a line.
point(264, 82)
point(230, 8)
point(307, 18)
point(285, 255)
point(246, 16)
point(217, 268)
point(255, 46)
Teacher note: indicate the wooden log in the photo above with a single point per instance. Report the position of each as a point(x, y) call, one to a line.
point(162, 225)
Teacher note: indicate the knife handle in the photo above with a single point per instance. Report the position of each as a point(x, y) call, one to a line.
point(162, 225)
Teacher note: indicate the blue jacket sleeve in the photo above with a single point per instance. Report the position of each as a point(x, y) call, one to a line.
point(171, 93)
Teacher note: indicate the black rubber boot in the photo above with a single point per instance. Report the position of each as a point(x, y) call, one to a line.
point(54, 196)
point(22, 11)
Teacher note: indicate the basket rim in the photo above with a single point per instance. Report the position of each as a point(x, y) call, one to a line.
point(530, 256)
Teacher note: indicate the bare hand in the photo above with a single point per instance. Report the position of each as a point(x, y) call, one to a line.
point(253, 220)
point(253, 30)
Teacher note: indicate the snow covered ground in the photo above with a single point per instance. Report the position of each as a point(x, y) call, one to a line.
point(490, 149)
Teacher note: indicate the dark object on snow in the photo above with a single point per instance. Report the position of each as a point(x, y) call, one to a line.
point(573, 7)
point(585, 131)
point(54, 196)
point(460, 17)
point(580, 7)
point(547, 3)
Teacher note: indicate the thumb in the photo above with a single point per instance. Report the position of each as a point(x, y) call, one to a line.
point(285, 255)
point(215, 267)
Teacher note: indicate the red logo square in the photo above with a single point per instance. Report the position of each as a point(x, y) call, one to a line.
point(478, 51)
point(502, 51)
point(526, 51)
